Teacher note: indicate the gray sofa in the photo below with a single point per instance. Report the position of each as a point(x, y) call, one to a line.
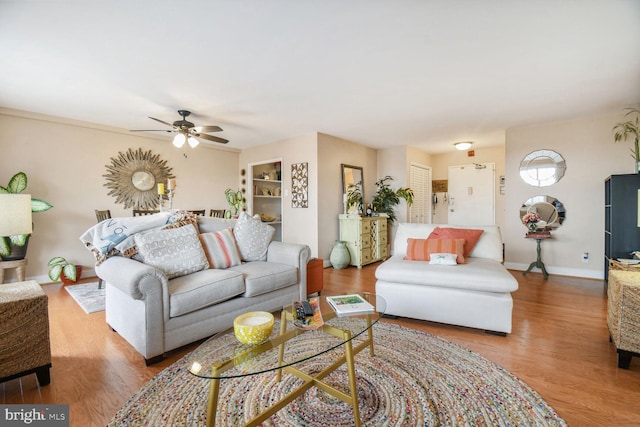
point(156, 314)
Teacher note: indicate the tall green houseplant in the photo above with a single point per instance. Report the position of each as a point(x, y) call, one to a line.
point(630, 128)
point(387, 199)
point(17, 184)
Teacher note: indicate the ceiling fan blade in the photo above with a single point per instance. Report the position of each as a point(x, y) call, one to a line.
point(211, 138)
point(207, 129)
point(161, 121)
point(151, 130)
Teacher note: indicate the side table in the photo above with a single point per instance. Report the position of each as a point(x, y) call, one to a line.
point(539, 236)
point(24, 336)
point(18, 264)
point(623, 314)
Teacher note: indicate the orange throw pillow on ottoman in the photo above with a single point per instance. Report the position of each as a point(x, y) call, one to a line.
point(470, 236)
point(421, 249)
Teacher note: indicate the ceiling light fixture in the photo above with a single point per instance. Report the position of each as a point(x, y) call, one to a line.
point(193, 142)
point(179, 140)
point(464, 145)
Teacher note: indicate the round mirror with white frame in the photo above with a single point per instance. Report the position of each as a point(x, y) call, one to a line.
point(551, 210)
point(542, 168)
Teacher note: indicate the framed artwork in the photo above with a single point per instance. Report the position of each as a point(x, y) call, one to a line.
point(299, 185)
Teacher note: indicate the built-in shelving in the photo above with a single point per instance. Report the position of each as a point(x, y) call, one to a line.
point(266, 192)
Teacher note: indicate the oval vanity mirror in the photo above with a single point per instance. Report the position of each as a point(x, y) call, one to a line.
point(542, 168)
point(550, 209)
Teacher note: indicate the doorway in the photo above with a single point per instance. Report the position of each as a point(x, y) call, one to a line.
point(420, 183)
point(472, 194)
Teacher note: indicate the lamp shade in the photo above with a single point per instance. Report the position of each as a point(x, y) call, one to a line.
point(15, 214)
point(193, 142)
point(179, 140)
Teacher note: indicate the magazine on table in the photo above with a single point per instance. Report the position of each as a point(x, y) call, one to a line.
point(350, 304)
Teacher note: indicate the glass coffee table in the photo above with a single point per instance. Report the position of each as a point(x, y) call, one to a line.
point(223, 356)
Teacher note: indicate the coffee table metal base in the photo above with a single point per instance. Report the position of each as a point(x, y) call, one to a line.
point(309, 380)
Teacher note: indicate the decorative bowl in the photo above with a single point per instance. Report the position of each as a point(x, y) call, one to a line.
point(254, 327)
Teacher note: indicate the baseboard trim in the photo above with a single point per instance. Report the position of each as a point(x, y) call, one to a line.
point(562, 271)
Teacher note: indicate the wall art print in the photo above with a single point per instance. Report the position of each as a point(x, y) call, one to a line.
point(299, 185)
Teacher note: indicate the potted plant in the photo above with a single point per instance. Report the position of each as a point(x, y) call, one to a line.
point(630, 128)
point(235, 200)
point(355, 197)
point(9, 244)
point(61, 269)
point(386, 199)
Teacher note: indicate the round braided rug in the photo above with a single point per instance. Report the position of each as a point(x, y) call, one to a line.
point(414, 379)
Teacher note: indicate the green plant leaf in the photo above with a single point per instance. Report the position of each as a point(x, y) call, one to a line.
point(227, 214)
point(18, 239)
point(70, 272)
point(3, 190)
point(58, 260)
point(54, 273)
point(38, 205)
point(17, 183)
point(5, 249)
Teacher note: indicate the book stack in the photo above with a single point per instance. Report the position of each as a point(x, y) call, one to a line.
point(345, 305)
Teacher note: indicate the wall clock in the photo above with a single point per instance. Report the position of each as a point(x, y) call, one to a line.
point(132, 177)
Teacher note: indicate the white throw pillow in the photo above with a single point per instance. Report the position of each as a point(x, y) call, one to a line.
point(443, 259)
point(253, 237)
point(174, 251)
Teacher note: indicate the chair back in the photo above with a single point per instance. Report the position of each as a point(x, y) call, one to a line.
point(200, 212)
point(217, 213)
point(102, 215)
point(140, 212)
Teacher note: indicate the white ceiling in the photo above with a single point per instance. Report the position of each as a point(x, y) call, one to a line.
point(381, 73)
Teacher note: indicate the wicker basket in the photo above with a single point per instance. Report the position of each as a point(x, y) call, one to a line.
point(617, 265)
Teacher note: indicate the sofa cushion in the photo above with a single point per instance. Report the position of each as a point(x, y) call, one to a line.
point(479, 274)
point(175, 252)
point(261, 277)
point(253, 237)
point(221, 248)
point(470, 236)
point(204, 288)
point(421, 249)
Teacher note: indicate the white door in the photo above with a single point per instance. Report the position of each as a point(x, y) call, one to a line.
point(420, 183)
point(472, 194)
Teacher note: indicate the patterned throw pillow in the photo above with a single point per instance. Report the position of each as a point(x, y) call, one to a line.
point(421, 249)
point(253, 237)
point(221, 248)
point(443, 259)
point(471, 236)
point(175, 251)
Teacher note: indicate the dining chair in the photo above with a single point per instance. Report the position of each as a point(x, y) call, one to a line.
point(140, 212)
point(102, 215)
point(217, 213)
point(200, 212)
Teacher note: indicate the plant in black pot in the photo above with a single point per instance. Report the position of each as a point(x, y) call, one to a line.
point(387, 199)
point(15, 247)
point(61, 269)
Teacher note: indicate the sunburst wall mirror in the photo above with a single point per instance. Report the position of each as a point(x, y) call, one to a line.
point(132, 178)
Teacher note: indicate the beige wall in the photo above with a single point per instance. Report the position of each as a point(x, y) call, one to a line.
point(64, 161)
point(591, 155)
point(332, 152)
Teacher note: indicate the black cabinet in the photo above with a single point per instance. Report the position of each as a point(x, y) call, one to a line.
point(621, 220)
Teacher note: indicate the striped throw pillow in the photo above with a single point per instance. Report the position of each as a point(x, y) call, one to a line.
point(221, 248)
point(420, 249)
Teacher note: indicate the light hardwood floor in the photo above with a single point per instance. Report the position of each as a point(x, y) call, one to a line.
point(559, 346)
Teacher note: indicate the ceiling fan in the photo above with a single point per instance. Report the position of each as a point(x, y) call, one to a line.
point(186, 131)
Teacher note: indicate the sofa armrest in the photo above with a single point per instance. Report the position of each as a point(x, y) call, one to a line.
point(293, 254)
point(131, 277)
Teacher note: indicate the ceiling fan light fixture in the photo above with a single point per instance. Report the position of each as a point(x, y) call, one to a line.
point(179, 140)
point(463, 145)
point(193, 142)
